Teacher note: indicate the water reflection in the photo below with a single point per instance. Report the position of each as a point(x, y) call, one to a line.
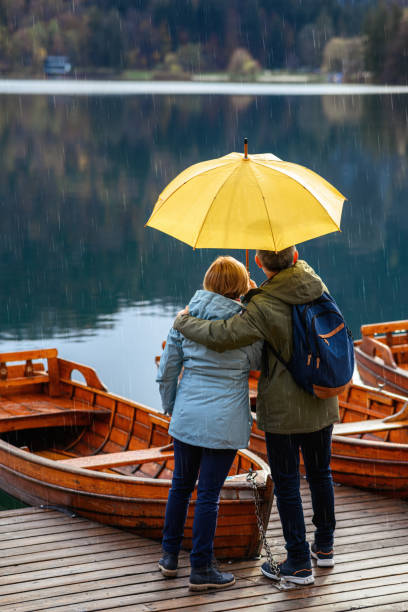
point(80, 175)
point(121, 348)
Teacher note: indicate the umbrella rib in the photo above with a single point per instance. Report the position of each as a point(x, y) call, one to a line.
point(182, 185)
point(300, 182)
point(212, 202)
point(266, 209)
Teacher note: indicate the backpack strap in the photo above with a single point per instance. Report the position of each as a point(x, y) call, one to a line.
point(325, 297)
point(248, 296)
point(276, 353)
point(245, 300)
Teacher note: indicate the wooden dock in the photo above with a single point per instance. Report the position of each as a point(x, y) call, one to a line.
point(51, 561)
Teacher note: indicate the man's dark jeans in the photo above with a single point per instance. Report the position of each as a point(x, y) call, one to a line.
point(283, 455)
point(212, 467)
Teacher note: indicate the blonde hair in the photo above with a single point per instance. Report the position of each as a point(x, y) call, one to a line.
point(227, 276)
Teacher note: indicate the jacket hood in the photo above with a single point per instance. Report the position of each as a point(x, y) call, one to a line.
point(298, 284)
point(208, 305)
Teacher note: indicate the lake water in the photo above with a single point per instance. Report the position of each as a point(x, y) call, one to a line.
point(81, 173)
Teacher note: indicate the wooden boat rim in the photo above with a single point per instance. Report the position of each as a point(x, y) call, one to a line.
point(386, 381)
point(380, 392)
point(371, 443)
point(374, 443)
point(380, 361)
point(263, 471)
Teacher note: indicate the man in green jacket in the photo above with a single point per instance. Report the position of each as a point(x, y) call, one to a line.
point(291, 418)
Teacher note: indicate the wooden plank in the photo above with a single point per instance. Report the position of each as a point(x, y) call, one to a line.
point(359, 530)
point(39, 524)
point(52, 538)
point(122, 598)
point(37, 403)
point(396, 606)
point(44, 551)
point(41, 402)
point(399, 348)
point(23, 381)
point(67, 528)
point(362, 507)
point(117, 549)
point(53, 373)
point(352, 407)
point(369, 426)
point(395, 603)
point(366, 505)
point(383, 328)
point(139, 563)
point(112, 570)
point(52, 419)
point(145, 562)
point(165, 595)
point(29, 412)
point(6, 514)
point(146, 455)
point(24, 355)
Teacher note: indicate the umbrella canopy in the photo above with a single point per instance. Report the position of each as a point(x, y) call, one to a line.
point(244, 201)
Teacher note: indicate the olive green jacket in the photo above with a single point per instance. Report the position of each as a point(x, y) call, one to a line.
point(282, 406)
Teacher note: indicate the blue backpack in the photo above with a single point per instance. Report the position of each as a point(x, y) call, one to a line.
point(322, 360)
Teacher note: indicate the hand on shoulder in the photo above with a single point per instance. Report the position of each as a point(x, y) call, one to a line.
point(184, 311)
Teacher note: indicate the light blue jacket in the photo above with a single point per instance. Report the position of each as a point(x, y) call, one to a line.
point(210, 404)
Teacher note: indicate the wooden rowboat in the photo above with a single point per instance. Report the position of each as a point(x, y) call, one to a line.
point(382, 355)
point(369, 445)
point(77, 447)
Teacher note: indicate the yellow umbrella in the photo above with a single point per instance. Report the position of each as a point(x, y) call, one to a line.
point(243, 201)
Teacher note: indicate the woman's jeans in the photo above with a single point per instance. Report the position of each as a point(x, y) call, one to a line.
point(283, 455)
point(212, 467)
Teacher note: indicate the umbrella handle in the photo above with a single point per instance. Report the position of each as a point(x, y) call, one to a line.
point(247, 260)
point(245, 148)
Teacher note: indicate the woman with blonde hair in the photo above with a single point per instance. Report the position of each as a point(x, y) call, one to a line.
point(211, 420)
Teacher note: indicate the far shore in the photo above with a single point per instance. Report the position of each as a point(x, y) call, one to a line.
point(266, 76)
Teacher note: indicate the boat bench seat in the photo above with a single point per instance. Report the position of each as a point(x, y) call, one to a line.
point(369, 426)
point(132, 457)
point(50, 418)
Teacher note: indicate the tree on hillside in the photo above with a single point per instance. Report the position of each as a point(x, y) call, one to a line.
point(203, 34)
point(242, 64)
point(312, 39)
point(396, 61)
point(345, 55)
point(381, 28)
point(104, 45)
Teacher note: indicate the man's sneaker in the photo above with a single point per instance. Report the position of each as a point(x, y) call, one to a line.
point(209, 577)
point(299, 574)
point(323, 555)
point(168, 564)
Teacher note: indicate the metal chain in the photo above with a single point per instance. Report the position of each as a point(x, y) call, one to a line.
point(251, 478)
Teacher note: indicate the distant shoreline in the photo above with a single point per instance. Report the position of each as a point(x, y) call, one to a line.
point(99, 87)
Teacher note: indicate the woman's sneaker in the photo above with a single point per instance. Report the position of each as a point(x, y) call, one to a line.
point(168, 564)
point(323, 555)
point(298, 574)
point(209, 577)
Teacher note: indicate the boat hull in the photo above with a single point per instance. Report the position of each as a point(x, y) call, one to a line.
point(126, 504)
point(375, 373)
point(117, 497)
point(378, 463)
point(382, 355)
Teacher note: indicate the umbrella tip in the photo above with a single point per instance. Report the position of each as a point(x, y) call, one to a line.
point(245, 148)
